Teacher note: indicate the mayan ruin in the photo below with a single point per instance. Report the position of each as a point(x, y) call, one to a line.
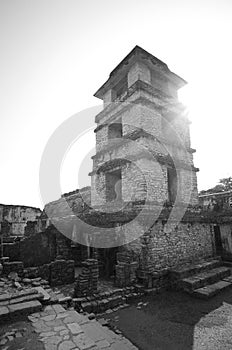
point(140, 255)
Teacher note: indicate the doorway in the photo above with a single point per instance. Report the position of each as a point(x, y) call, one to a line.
point(218, 240)
point(172, 185)
point(114, 185)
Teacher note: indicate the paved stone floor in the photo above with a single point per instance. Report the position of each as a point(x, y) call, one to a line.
point(66, 329)
point(168, 321)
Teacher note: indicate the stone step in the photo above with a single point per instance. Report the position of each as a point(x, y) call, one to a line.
point(204, 278)
point(26, 298)
point(45, 296)
point(228, 279)
point(19, 309)
point(190, 270)
point(9, 296)
point(211, 290)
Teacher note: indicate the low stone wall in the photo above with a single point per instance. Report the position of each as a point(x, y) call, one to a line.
point(16, 266)
point(40, 248)
point(56, 273)
point(42, 271)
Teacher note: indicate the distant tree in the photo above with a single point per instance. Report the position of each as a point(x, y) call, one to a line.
point(223, 185)
point(226, 183)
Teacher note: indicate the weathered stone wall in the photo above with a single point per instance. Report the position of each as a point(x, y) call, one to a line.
point(40, 248)
point(87, 281)
point(101, 138)
point(98, 193)
point(150, 104)
point(163, 247)
point(17, 217)
point(62, 272)
point(139, 71)
point(35, 250)
point(126, 270)
point(56, 273)
point(226, 236)
point(70, 203)
point(144, 180)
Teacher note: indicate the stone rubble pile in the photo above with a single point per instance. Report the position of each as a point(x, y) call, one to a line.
point(9, 336)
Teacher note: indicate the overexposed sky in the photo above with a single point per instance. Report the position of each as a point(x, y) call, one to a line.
point(56, 53)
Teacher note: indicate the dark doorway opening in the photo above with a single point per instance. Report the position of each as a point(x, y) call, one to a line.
point(115, 130)
point(107, 258)
point(218, 239)
point(114, 185)
point(172, 184)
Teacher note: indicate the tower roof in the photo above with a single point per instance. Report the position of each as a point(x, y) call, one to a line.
point(135, 55)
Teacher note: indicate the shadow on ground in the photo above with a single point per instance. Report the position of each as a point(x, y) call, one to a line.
point(177, 321)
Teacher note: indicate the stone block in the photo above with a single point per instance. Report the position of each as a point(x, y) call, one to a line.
point(25, 308)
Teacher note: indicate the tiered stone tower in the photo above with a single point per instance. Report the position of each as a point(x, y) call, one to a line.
point(143, 149)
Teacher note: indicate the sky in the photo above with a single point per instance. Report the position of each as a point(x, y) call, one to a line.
point(55, 54)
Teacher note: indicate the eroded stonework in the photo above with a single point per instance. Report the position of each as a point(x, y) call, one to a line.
point(143, 149)
point(14, 218)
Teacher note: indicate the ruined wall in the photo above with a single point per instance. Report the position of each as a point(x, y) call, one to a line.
point(56, 273)
point(163, 248)
point(16, 218)
point(40, 248)
point(226, 236)
point(32, 251)
point(70, 203)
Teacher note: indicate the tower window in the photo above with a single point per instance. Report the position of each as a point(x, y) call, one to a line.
point(115, 130)
point(114, 185)
point(172, 184)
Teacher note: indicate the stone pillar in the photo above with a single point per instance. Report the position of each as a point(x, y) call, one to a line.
point(87, 281)
point(125, 270)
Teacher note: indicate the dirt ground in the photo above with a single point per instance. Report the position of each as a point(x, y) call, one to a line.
point(28, 339)
point(176, 321)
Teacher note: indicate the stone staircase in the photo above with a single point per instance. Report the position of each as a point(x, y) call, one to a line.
point(203, 280)
point(23, 303)
point(27, 299)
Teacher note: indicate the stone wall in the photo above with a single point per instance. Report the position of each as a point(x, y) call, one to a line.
point(146, 139)
point(58, 272)
point(17, 217)
point(150, 104)
point(87, 281)
point(40, 248)
point(164, 247)
point(126, 270)
point(70, 203)
point(62, 272)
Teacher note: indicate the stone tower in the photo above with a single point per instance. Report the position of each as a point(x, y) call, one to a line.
point(143, 150)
